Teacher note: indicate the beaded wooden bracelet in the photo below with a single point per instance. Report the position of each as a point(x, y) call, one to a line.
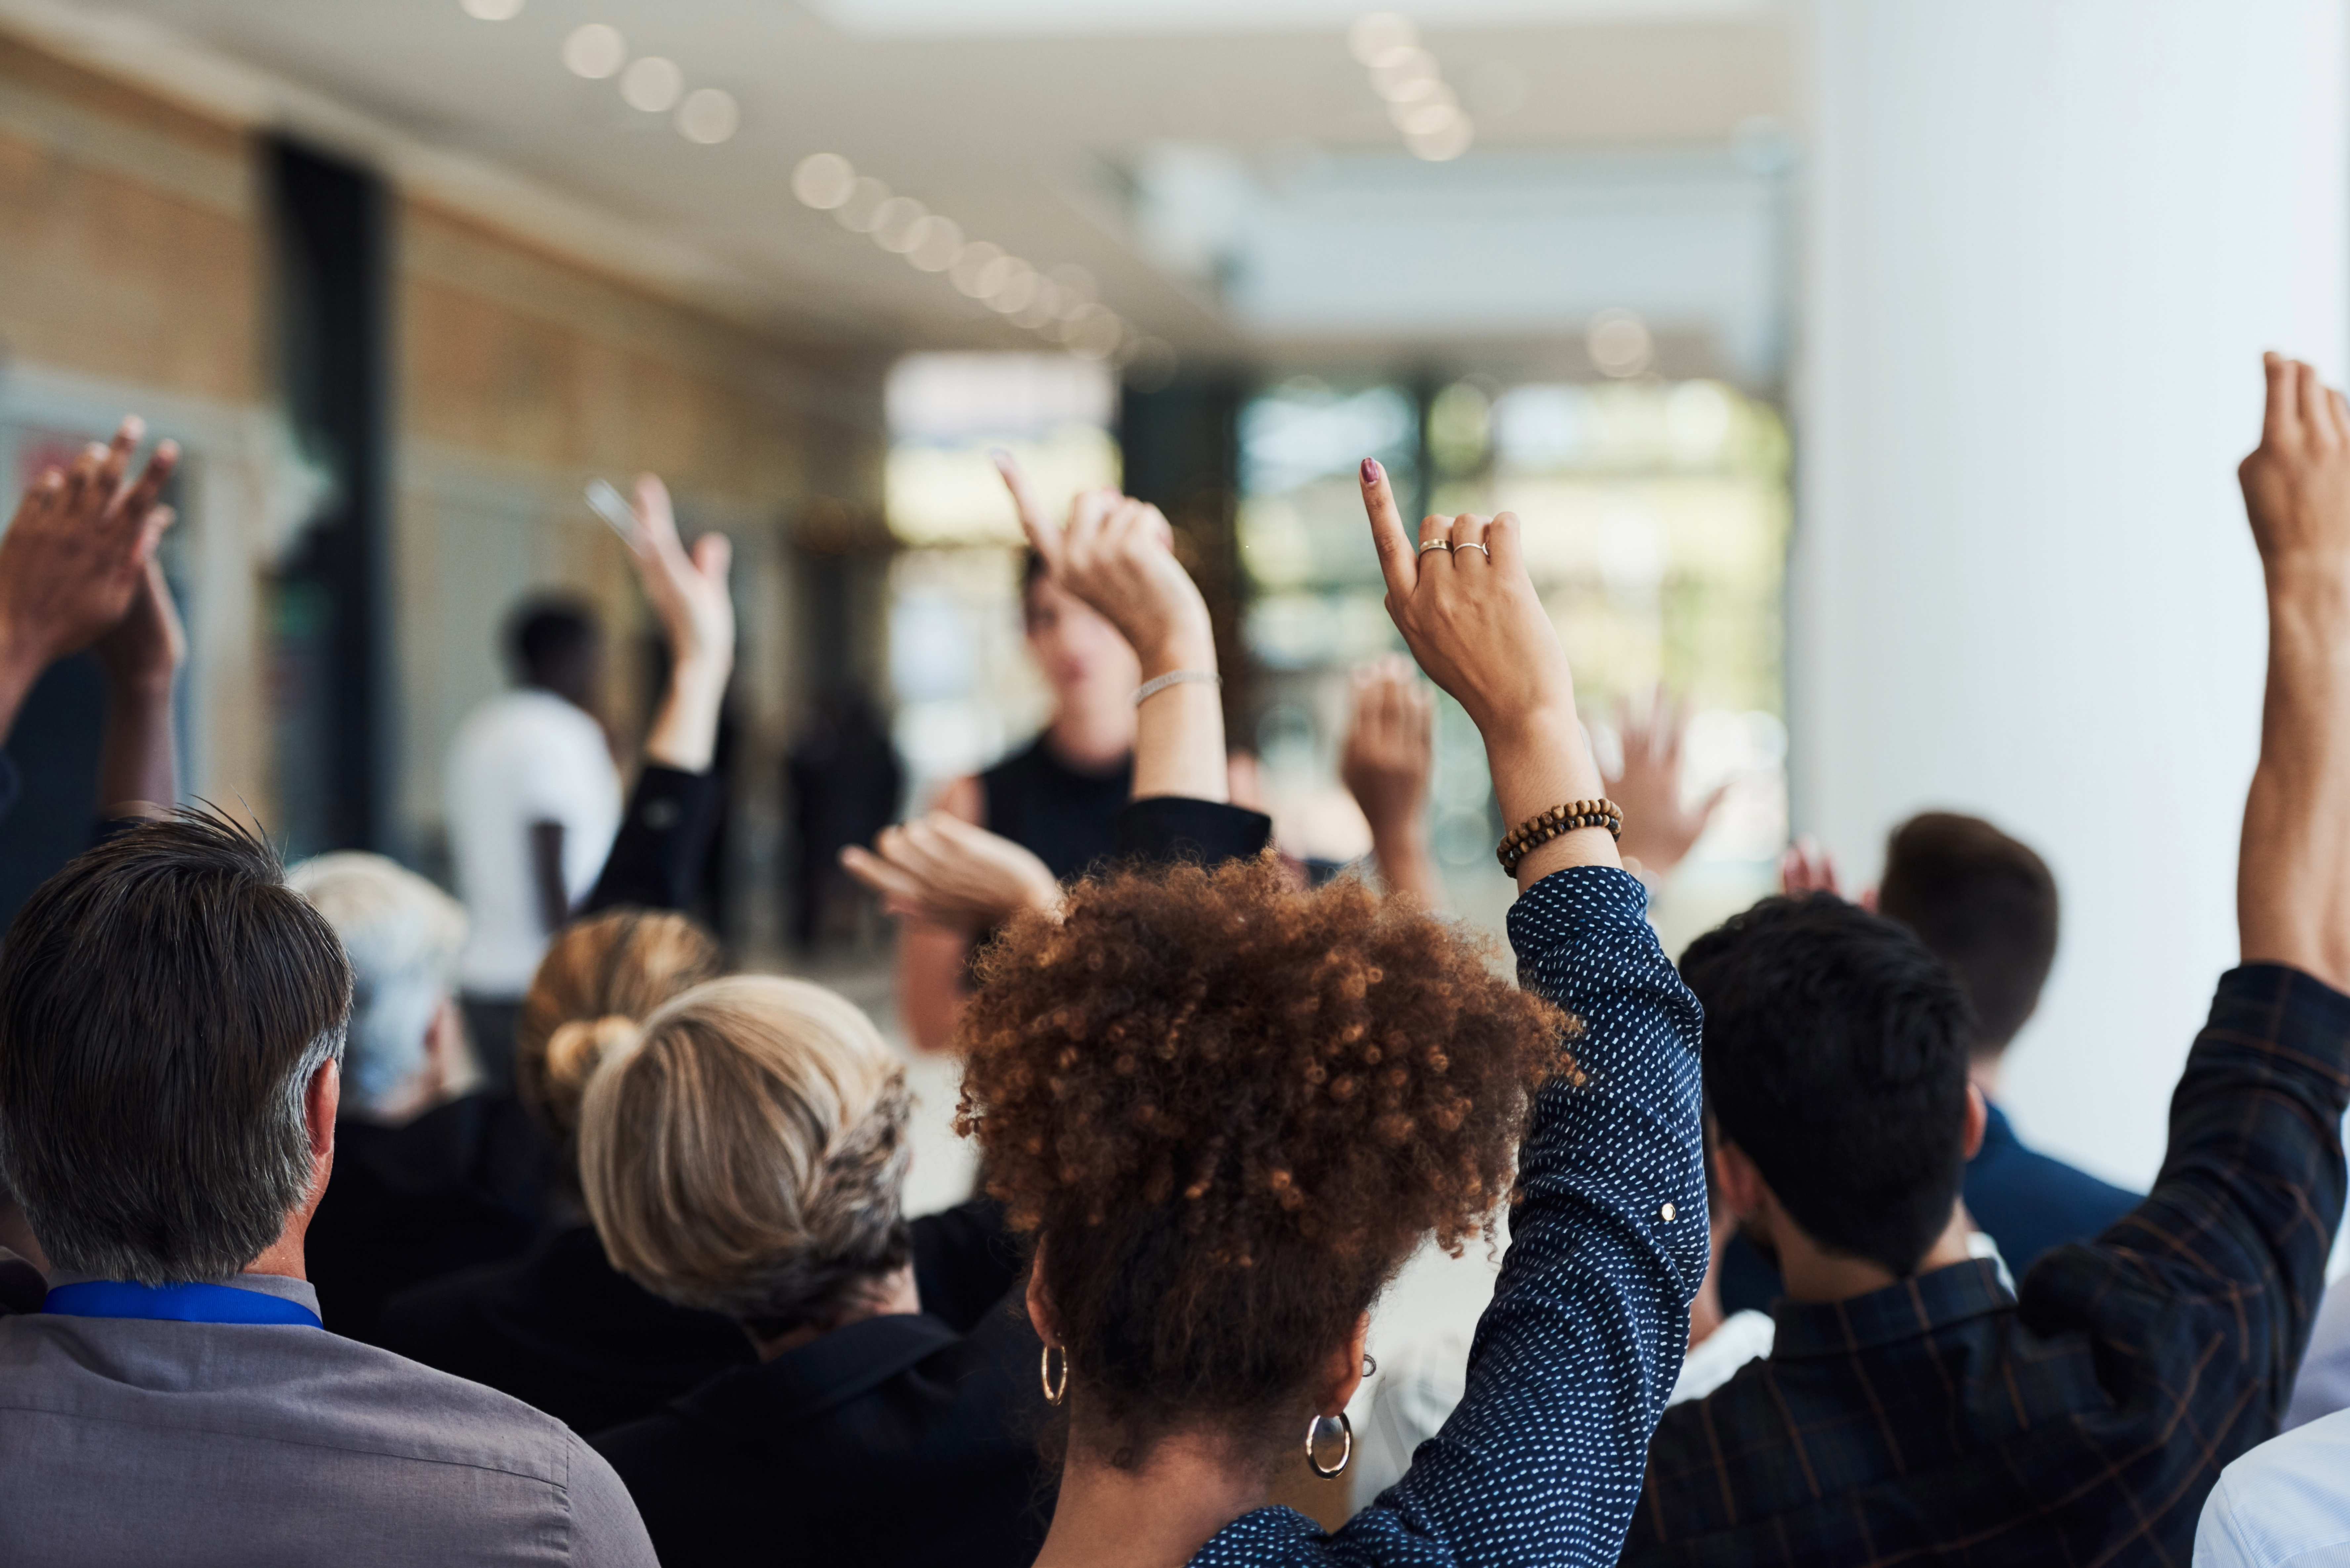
point(1546, 826)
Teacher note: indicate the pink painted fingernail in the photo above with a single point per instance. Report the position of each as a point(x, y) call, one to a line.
point(1370, 471)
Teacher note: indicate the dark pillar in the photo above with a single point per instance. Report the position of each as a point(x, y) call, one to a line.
point(329, 623)
point(1182, 449)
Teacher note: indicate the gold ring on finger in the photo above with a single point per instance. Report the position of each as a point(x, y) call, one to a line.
point(1441, 545)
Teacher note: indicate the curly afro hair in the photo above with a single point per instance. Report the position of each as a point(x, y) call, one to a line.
point(1229, 1110)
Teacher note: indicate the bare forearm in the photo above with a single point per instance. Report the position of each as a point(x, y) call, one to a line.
point(930, 964)
point(1539, 762)
point(684, 735)
point(2293, 898)
point(138, 759)
point(1405, 864)
point(1179, 732)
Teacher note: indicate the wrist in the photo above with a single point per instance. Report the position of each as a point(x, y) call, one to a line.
point(141, 688)
point(1183, 652)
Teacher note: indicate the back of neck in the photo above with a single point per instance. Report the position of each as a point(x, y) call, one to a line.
point(1157, 1515)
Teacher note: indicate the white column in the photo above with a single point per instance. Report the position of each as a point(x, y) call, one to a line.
point(2045, 245)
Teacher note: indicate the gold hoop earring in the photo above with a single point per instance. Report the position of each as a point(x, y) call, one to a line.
point(1346, 1453)
point(1055, 1388)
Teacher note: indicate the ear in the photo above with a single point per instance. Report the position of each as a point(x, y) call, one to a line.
point(448, 1054)
point(1978, 1118)
point(320, 1102)
point(1344, 1373)
point(1741, 1187)
point(1041, 1316)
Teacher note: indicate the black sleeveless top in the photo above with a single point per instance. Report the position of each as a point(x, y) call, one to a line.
point(1066, 818)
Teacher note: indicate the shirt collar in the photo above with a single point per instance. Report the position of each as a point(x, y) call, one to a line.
point(1907, 1309)
point(301, 1293)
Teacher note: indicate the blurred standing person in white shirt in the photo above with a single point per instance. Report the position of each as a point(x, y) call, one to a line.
point(533, 800)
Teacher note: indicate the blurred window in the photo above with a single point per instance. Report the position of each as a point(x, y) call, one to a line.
point(1656, 517)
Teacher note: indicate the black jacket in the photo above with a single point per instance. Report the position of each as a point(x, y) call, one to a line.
point(902, 1439)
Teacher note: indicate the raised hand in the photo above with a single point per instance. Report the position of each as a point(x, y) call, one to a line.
point(1117, 554)
point(688, 594)
point(940, 868)
point(1467, 609)
point(1390, 750)
point(75, 555)
point(1659, 830)
point(142, 652)
point(2293, 898)
point(1386, 764)
point(2297, 481)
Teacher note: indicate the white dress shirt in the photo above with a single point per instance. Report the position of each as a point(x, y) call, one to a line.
point(2287, 1503)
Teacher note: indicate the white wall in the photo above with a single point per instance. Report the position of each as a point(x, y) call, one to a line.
point(2045, 245)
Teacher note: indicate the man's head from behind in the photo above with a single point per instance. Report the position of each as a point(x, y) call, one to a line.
point(1836, 1070)
point(169, 1011)
point(555, 643)
point(1985, 904)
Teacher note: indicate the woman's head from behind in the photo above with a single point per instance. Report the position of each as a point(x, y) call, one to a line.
point(746, 1152)
point(599, 978)
point(1231, 1110)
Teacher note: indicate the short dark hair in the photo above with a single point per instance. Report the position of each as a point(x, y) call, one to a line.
point(164, 1001)
point(1836, 1059)
point(1983, 901)
point(547, 632)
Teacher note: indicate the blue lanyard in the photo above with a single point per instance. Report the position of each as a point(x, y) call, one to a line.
point(177, 1304)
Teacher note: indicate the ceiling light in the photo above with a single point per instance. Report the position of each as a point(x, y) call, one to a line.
point(1395, 74)
point(651, 84)
point(1380, 33)
point(1097, 334)
point(866, 199)
point(491, 10)
point(708, 116)
point(972, 263)
point(1042, 310)
point(1015, 285)
point(1445, 144)
point(1431, 119)
point(823, 180)
point(895, 223)
point(595, 51)
point(1619, 343)
point(938, 242)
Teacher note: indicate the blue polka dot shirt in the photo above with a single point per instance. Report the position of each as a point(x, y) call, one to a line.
point(1569, 1370)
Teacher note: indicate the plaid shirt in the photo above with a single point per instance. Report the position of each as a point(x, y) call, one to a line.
point(1938, 1420)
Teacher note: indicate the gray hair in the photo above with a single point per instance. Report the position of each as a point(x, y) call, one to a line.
point(165, 1004)
point(403, 935)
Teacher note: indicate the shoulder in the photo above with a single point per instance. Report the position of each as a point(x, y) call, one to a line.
point(2285, 1502)
point(654, 1446)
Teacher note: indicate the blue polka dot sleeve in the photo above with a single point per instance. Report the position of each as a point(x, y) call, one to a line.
point(1572, 1363)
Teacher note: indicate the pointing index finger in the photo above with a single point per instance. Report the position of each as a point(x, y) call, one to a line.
point(1043, 536)
point(1398, 558)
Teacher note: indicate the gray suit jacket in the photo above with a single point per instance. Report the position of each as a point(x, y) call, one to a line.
point(130, 1441)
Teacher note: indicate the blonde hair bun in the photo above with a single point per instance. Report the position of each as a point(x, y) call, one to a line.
point(577, 1049)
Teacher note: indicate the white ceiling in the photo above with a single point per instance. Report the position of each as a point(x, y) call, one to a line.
point(1024, 120)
